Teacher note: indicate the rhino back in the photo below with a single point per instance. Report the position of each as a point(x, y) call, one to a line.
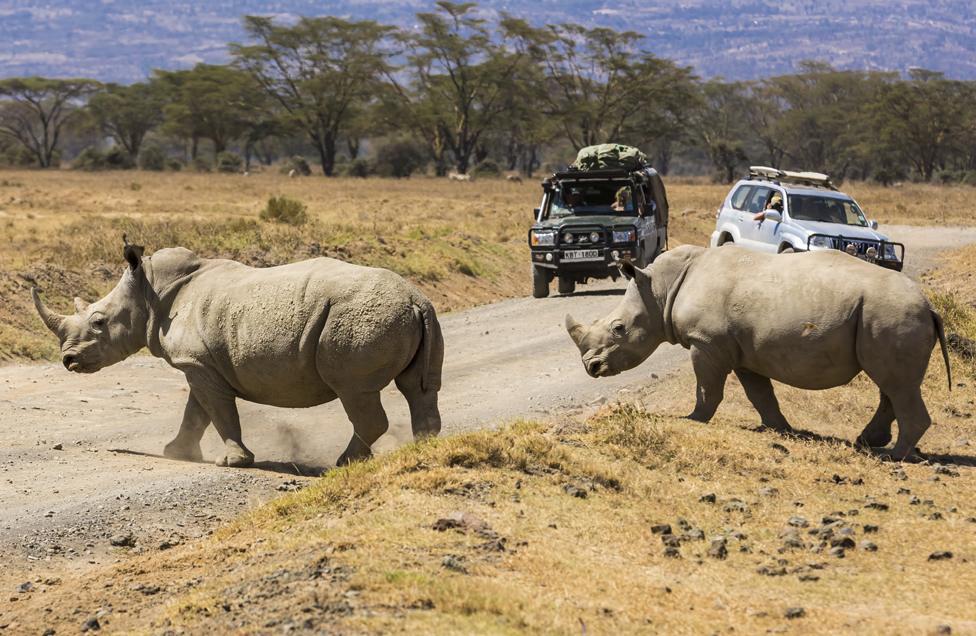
point(263, 329)
point(795, 318)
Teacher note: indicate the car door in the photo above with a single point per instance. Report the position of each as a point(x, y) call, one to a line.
point(754, 234)
point(733, 212)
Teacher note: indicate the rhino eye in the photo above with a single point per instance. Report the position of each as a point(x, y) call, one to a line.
point(98, 323)
point(618, 330)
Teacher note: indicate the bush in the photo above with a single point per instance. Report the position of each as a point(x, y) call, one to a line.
point(200, 165)
point(399, 158)
point(357, 168)
point(152, 157)
point(89, 159)
point(284, 210)
point(229, 162)
point(487, 168)
point(298, 164)
point(118, 158)
point(174, 164)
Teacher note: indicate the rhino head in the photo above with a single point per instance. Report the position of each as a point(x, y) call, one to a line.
point(626, 337)
point(108, 330)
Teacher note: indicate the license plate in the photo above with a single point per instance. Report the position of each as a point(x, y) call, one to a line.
point(582, 255)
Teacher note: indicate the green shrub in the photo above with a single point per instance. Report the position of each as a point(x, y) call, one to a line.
point(174, 164)
point(90, 159)
point(229, 162)
point(298, 164)
point(357, 168)
point(399, 158)
point(487, 168)
point(284, 210)
point(200, 165)
point(118, 158)
point(152, 157)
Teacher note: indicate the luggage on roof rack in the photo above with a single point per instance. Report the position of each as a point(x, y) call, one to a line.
point(605, 156)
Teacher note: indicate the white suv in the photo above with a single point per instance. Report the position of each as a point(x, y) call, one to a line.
point(810, 214)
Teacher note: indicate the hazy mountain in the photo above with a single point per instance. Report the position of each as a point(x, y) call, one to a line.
point(123, 40)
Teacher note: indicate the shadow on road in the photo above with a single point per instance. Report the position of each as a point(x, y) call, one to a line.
point(598, 292)
point(285, 468)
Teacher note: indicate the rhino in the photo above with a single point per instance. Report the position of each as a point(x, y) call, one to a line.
point(812, 320)
point(291, 336)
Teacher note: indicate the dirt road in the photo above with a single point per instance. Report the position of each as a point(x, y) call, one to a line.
point(79, 455)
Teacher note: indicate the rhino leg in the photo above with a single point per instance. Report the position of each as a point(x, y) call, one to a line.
point(913, 421)
point(186, 444)
point(425, 417)
point(759, 390)
point(369, 422)
point(711, 378)
point(223, 413)
point(877, 433)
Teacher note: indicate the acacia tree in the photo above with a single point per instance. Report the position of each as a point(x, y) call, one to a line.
point(458, 75)
point(128, 113)
point(35, 110)
point(719, 126)
point(317, 71)
point(214, 102)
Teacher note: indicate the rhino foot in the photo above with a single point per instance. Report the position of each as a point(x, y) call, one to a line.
point(183, 451)
point(236, 457)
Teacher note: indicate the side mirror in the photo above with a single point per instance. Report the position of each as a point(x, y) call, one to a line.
point(873, 224)
point(773, 215)
point(535, 214)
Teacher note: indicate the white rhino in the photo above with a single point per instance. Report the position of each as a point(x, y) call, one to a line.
point(811, 320)
point(293, 336)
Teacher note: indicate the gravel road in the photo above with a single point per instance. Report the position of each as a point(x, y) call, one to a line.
point(79, 454)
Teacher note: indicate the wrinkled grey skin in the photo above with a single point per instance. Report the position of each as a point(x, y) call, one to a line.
point(293, 336)
point(811, 320)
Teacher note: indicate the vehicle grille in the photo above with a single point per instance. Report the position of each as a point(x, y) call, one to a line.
point(581, 237)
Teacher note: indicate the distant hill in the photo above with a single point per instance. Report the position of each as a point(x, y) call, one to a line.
point(123, 40)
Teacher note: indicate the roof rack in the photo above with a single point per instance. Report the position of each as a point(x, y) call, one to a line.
point(815, 179)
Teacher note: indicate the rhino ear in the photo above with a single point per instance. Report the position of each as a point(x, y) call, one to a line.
point(132, 253)
point(80, 305)
point(627, 269)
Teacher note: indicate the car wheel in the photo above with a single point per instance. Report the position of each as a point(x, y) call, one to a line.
point(540, 282)
point(788, 250)
point(566, 285)
point(727, 242)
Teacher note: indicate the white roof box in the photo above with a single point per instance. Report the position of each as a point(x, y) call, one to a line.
point(786, 176)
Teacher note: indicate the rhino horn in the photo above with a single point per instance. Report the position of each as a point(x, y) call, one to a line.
point(52, 320)
point(80, 305)
point(574, 328)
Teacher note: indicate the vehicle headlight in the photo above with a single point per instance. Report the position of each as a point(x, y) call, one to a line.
point(543, 238)
point(821, 241)
point(889, 252)
point(567, 237)
point(594, 237)
point(624, 236)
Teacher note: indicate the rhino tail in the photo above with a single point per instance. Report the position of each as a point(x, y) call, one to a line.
point(940, 331)
point(430, 352)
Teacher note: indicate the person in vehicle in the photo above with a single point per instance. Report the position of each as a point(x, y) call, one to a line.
point(775, 203)
point(621, 200)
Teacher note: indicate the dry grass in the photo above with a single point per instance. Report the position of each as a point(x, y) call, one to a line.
point(356, 552)
point(462, 243)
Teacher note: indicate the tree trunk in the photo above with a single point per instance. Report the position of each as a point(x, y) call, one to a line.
point(327, 152)
point(352, 145)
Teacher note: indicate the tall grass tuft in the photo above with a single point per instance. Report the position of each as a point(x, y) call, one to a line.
point(284, 210)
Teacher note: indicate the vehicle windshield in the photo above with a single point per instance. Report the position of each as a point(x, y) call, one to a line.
point(812, 207)
point(592, 198)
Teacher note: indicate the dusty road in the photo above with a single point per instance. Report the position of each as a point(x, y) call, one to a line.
point(79, 455)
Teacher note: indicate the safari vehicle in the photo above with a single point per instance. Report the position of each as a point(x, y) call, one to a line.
point(811, 214)
point(592, 216)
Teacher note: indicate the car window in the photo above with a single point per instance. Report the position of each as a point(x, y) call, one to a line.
point(740, 197)
point(592, 198)
point(758, 199)
point(826, 210)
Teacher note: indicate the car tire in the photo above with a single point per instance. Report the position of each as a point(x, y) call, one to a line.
point(727, 243)
point(787, 250)
point(566, 285)
point(540, 281)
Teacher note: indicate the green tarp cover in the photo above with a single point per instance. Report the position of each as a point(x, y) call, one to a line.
point(609, 156)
